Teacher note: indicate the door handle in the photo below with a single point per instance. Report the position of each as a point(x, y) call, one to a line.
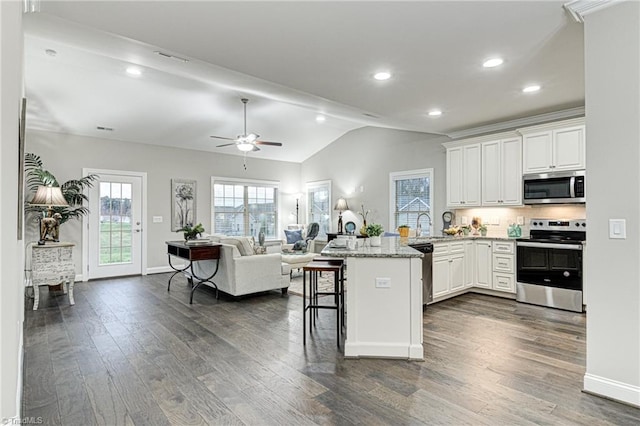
point(138, 230)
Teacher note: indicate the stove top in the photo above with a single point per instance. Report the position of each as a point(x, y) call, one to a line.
point(557, 231)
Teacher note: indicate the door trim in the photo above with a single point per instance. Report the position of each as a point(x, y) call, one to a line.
point(85, 220)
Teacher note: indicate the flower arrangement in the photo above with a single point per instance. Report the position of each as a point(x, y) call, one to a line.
point(191, 232)
point(364, 213)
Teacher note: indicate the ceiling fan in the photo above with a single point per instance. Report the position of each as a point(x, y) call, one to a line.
point(246, 142)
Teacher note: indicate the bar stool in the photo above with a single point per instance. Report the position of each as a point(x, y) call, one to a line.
point(314, 268)
point(342, 262)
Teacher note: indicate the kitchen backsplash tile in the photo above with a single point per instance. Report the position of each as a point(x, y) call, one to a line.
point(498, 219)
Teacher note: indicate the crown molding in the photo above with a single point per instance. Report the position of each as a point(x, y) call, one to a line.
point(579, 8)
point(518, 123)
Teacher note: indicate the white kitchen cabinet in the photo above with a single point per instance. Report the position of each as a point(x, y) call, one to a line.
point(554, 147)
point(463, 176)
point(502, 172)
point(483, 275)
point(469, 263)
point(503, 266)
point(448, 266)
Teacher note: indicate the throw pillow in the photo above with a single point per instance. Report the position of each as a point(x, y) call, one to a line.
point(241, 243)
point(293, 236)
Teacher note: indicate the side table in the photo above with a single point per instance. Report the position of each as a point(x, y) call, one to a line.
point(193, 253)
point(51, 264)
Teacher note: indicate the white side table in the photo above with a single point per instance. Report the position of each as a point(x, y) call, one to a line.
point(51, 264)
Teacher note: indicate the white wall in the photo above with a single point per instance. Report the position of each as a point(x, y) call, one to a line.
point(11, 248)
point(612, 267)
point(66, 155)
point(364, 158)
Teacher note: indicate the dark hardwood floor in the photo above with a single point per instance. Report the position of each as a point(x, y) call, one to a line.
point(129, 352)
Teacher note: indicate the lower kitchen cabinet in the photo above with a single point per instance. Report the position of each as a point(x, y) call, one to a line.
point(465, 264)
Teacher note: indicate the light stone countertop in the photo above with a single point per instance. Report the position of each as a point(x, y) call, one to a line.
point(391, 247)
point(437, 240)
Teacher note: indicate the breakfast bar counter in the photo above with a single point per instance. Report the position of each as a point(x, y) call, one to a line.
point(383, 300)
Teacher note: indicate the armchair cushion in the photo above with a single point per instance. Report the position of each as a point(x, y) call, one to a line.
point(293, 235)
point(243, 244)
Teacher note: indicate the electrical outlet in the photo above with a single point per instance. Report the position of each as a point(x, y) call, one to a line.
point(520, 220)
point(465, 220)
point(383, 282)
point(495, 220)
point(157, 219)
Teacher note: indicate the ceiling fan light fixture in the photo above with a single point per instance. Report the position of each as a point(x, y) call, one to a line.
point(245, 146)
point(492, 62)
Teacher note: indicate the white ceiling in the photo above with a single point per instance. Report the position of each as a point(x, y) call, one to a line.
point(294, 60)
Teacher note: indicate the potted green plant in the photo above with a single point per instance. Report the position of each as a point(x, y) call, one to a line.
point(403, 230)
point(483, 230)
point(191, 232)
point(374, 232)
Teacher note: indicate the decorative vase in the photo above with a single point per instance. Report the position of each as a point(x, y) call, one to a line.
point(261, 238)
point(363, 230)
point(375, 241)
point(404, 232)
point(483, 232)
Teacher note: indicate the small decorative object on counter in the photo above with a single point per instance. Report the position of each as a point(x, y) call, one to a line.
point(483, 230)
point(476, 222)
point(514, 231)
point(465, 229)
point(453, 230)
point(374, 232)
point(403, 230)
point(363, 213)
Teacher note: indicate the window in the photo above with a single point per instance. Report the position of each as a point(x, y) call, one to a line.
point(411, 196)
point(319, 205)
point(243, 208)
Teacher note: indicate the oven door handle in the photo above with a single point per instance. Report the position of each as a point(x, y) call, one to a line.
point(550, 245)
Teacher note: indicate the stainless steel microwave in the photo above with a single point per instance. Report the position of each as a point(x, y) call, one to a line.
point(554, 188)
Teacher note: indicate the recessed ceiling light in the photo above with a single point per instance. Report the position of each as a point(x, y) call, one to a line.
point(134, 71)
point(435, 113)
point(321, 118)
point(531, 89)
point(382, 75)
point(51, 52)
point(492, 62)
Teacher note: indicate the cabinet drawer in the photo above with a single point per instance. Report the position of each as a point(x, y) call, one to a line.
point(503, 247)
point(440, 249)
point(457, 247)
point(503, 263)
point(504, 282)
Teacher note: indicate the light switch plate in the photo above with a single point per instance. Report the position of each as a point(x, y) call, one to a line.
point(520, 220)
point(157, 219)
point(465, 220)
point(617, 229)
point(383, 282)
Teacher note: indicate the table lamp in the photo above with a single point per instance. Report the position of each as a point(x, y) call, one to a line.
point(341, 205)
point(49, 197)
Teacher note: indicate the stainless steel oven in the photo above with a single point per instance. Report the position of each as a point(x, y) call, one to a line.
point(549, 264)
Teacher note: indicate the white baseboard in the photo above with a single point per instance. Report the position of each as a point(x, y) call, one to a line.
point(161, 269)
point(612, 389)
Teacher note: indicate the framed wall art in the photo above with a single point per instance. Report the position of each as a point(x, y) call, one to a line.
point(183, 203)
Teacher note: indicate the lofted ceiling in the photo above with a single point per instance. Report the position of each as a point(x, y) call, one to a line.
point(294, 61)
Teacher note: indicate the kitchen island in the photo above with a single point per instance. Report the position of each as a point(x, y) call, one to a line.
point(383, 294)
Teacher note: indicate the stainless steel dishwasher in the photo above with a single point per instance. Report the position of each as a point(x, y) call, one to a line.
point(427, 275)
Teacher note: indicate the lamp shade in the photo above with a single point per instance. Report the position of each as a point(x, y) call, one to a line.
point(49, 196)
point(341, 205)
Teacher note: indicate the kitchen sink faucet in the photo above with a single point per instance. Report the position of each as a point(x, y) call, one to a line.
point(418, 227)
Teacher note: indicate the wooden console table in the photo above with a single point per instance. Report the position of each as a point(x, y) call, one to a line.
point(52, 264)
point(193, 253)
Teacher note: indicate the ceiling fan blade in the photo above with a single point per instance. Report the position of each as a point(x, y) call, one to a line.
point(225, 144)
point(222, 137)
point(268, 143)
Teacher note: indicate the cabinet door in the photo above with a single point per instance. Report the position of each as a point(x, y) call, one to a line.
point(537, 152)
point(456, 274)
point(491, 173)
point(455, 167)
point(511, 176)
point(440, 267)
point(483, 264)
point(569, 148)
point(469, 263)
point(472, 176)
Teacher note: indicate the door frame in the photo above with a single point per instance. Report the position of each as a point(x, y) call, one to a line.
point(143, 215)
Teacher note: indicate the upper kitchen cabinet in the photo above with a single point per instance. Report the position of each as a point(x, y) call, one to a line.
point(502, 172)
point(554, 147)
point(463, 175)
